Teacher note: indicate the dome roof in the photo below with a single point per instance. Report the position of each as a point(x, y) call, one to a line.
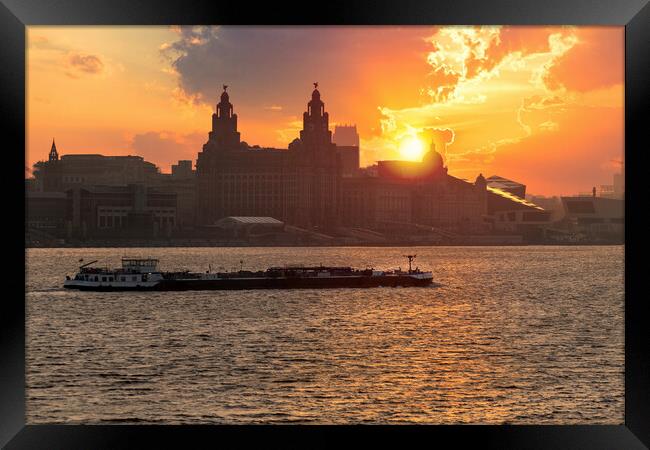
point(433, 158)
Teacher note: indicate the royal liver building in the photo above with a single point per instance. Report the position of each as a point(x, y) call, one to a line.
point(299, 185)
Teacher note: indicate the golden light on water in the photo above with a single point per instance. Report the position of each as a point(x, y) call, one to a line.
point(411, 148)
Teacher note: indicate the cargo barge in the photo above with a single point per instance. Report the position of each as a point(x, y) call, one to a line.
point(142, 274)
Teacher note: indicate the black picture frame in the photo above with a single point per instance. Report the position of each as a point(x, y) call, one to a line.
point(15, 15)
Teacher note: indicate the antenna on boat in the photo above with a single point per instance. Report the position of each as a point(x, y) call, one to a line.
point(411, 258)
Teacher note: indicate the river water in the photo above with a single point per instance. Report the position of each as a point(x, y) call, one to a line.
point(521, 335)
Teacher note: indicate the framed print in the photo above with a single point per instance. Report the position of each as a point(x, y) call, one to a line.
point(280, 224)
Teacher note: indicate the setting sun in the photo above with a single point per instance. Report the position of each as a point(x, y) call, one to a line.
point(411, 148)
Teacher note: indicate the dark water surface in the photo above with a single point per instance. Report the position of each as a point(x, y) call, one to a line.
point(521, 335)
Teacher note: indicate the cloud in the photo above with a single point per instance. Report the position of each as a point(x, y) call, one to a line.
point(569, 159)
point(439, 138)
point(276, 65)
point(90, 64)
point(594, 62)
point(461, 54)
point(166, 148)
point(536, 112)
point(40, 42)
point(74, 63)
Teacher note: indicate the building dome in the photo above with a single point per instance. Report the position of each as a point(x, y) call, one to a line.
point(432, 158)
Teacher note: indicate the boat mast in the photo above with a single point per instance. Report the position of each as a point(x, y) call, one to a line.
point(411, 258)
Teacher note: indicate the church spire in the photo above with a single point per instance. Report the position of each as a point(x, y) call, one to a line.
point(54, 155)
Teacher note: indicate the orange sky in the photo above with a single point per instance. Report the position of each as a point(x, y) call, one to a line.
point(540, 105)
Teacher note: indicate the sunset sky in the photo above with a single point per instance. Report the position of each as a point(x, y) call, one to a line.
point(539, 105)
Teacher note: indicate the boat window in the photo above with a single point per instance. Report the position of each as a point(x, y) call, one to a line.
point(122, 278)
point(135, 278)
point(110, 278)
point(103, 278)
point(96, 278)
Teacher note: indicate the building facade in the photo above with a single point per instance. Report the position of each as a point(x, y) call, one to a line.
point(112, 211)
point(299, 185)
point(70, 171)
point(346, 139)
point(408, 192)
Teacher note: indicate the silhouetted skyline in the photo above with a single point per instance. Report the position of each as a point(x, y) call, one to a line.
point(538, 104)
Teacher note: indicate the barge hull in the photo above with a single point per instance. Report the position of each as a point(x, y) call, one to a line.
point(267, 283)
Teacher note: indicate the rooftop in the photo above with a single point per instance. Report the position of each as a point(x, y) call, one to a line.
point(513, 198)
point(496, 180)
point(252, 220)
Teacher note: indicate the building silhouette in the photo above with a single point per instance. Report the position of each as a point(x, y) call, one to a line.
point(314, 187)
point(298, 185)
point(69, 171)
point(346, 139)
point(396, 193)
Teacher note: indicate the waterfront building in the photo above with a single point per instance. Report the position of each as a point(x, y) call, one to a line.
point(59, 174)
point(46, 211)
point(120, 211)
point(397, 193)
point(596, 217)
point(182, 183)
point(346, 139)
point(505, 185)
point(298, 184)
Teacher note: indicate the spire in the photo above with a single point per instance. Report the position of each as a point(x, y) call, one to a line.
point(224, 95)
point(224, 123)
point(54, 155)
point(224, 107)
point(315, 107)
point(316, 120)
point(315, 95)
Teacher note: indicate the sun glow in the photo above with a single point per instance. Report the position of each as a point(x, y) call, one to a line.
point(411, 148)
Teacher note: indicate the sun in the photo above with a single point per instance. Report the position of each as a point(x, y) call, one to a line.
point(411, 148)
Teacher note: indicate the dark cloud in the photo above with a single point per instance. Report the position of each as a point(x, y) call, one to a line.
point(89, 64)
point(276, 65)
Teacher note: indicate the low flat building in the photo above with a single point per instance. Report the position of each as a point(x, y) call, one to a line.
point(69, 171)
point(510, 213)
point(250, 227)
point(595, 216)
